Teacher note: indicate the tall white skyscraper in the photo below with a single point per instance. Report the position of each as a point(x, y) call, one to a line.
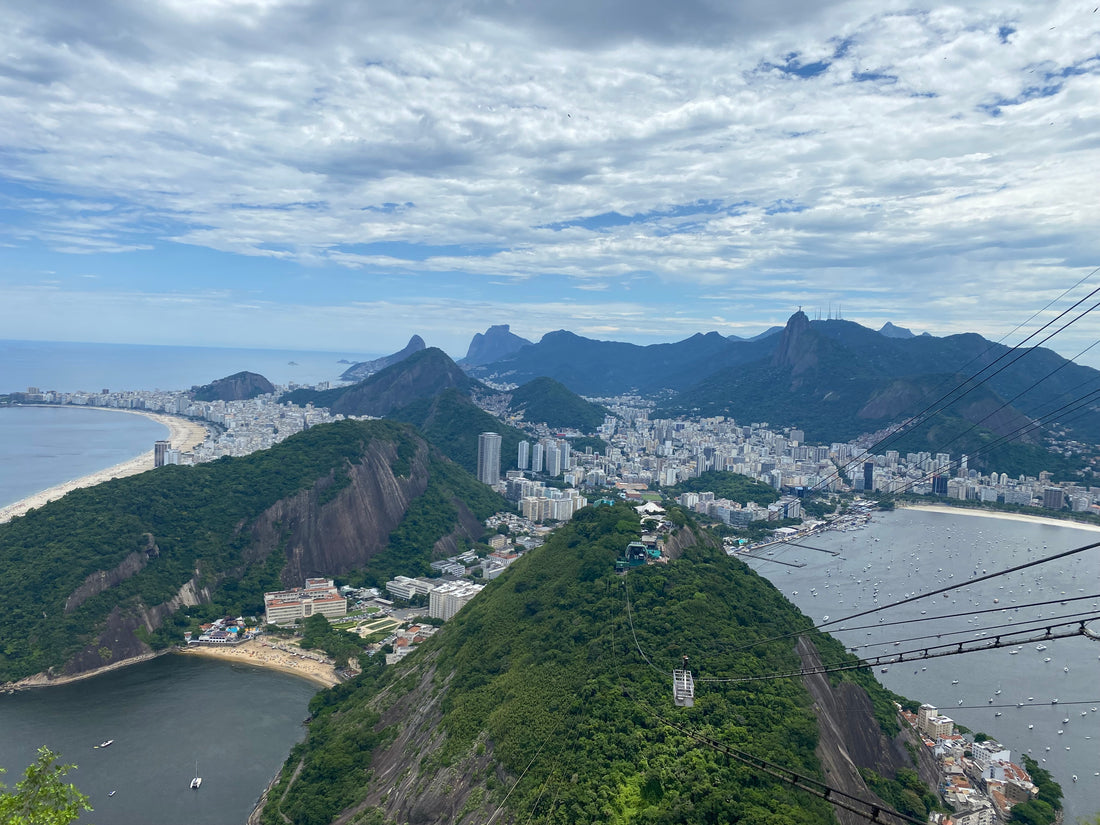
point(488, 458)
point(524, 456)
point(536, 457)
point(553, 461)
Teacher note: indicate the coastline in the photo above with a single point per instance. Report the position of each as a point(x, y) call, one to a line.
point(255, 653)
point(970, 511)
point(42, 680)
point(261, 654)
point(183, 433)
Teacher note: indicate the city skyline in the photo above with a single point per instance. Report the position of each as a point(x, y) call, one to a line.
point(320, 174)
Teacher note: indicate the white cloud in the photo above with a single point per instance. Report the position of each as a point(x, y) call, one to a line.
point(942, 155)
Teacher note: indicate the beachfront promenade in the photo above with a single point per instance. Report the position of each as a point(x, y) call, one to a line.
point(184, 434)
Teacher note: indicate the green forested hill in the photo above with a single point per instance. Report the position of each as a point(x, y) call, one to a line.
point(452, 422)
point(544, 696)
point(122, 547)
point(544, 400)
point(734, 486)
point(419, 376)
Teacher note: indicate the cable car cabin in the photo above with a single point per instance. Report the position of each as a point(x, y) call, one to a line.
point(683, 688)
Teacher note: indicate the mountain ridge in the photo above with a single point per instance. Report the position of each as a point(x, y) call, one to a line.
point(364, 369)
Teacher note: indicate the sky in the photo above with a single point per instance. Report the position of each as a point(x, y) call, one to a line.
point(339, 175)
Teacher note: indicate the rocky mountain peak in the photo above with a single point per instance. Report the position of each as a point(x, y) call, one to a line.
point(357, 372)
point(796, 345)
point(495, 343)
point(892, 331)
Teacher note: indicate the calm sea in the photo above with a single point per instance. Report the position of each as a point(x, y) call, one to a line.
point(908, 552)
point(44, 446)
point(168, 717)
point(70, 367)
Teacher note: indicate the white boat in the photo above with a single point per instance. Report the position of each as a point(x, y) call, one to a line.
point(197, 781)
point(1040, 647)
point(105, 744)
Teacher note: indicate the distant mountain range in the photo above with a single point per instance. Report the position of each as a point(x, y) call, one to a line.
point(835, 379)
point(429, 390)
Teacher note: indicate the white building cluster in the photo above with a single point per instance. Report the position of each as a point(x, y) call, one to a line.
point(940, 474)
point(445, 598)
point(980, 780)
point(552, 456)
point(238, 427)
point(738, 515)
point(317, 596)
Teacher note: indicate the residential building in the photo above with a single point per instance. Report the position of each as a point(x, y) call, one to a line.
point(450, 597)
point(488, 458)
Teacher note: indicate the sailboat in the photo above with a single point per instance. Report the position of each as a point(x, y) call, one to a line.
point(197, 781)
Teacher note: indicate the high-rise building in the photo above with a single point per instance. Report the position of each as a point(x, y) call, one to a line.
point(553, 461)
point(524, 455)
point(536, 457)
point(160, 450)
point(488, 458)
point(1053, 498)
point(868, 475)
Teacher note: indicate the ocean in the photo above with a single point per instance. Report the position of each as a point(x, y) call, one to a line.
point(41, 447)
point(1008, 696)
point(72, 367)
point(44, 446)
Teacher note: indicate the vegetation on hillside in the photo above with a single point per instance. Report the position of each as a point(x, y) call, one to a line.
point(562, 669)
point(452, 422)
point(544, 400)
point(734, 486)
point(185, 519)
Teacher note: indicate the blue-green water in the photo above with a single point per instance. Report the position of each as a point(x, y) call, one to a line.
point(237, 722)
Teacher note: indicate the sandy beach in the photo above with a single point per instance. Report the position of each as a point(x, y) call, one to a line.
point(967, 511)
point(278, 655)
point(183, 433)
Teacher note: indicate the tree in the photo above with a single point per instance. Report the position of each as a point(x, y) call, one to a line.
point(42, 798)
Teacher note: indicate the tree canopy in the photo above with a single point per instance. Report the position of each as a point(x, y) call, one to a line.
point(42, 797)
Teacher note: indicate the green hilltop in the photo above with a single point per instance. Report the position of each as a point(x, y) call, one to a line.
point(453, 422)
point(544, 400)
point(546, 698)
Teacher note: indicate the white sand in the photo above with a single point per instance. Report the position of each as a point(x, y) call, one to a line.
point(184, 435)
point(967, 511)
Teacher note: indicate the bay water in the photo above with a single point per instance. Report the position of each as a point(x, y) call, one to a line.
point(168, 717)
point(1011, 697)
